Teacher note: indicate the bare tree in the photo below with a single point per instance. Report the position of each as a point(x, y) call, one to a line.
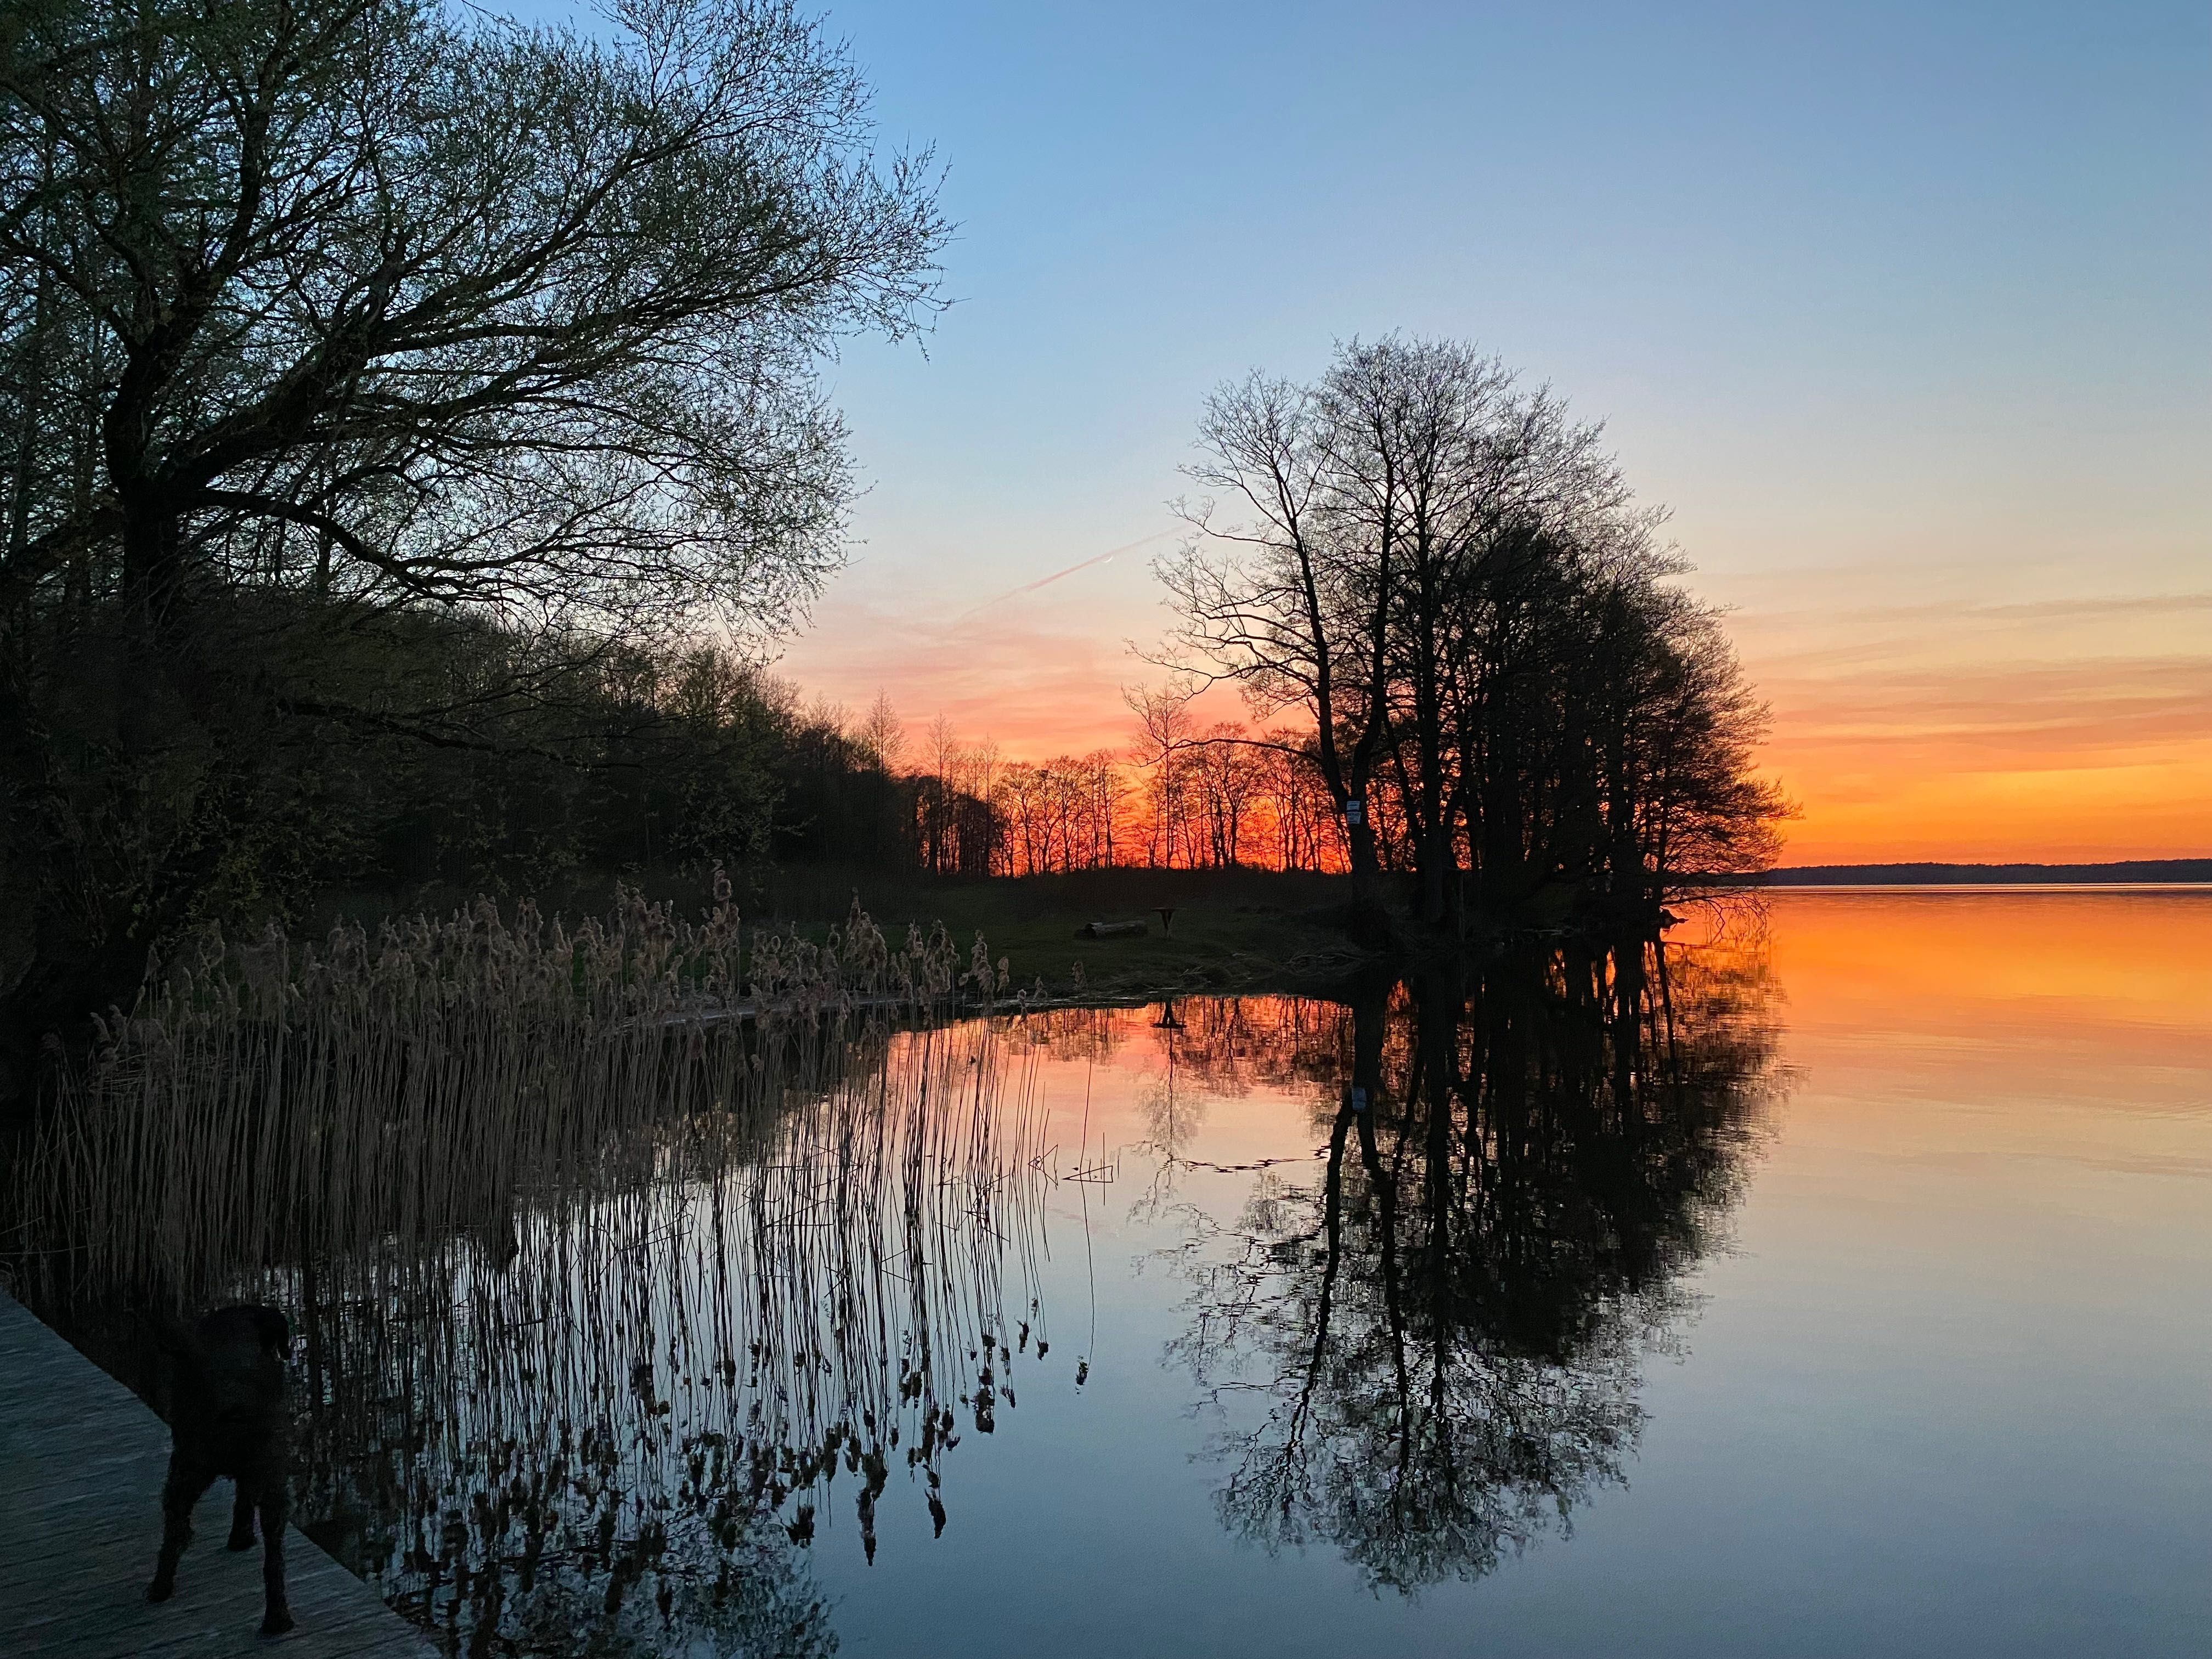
point(1275, 601)
point(1163, 737)
point(1103, 793)
point(883, 733)
point(957, 827)
point(1308, 831)
point(1229, 774)
point(1447, 574)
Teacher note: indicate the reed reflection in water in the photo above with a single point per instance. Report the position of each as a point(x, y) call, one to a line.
point(603, 1296)
point(617, 1424)
point(741, 1290)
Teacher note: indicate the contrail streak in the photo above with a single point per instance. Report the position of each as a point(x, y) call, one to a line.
point(1047, 581)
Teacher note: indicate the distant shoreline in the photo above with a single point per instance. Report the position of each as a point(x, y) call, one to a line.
point(2127, 872)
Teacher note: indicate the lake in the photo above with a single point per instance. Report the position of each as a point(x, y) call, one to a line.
point(1941, 1382)
point(1838, 1283)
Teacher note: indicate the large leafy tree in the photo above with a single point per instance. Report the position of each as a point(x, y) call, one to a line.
point(314, 312)
point(347, 293)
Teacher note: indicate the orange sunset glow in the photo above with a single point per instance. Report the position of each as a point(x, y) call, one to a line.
point(2056, 730)
point(1967, 729)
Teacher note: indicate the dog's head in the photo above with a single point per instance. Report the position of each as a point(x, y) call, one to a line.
point(274, 1330)
point(232, 1361)
point(227, 1327)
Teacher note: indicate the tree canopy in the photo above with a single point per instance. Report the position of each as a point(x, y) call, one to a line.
point(379, 301)
point(1448, 578)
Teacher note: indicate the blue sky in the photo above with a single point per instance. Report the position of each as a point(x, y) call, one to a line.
point(1952, 261)
point(1897, 306)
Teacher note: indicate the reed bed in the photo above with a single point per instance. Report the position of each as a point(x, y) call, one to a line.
point(273, 1103)
point(612, 1251)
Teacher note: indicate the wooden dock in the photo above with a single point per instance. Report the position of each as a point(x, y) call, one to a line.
point(81, 1461)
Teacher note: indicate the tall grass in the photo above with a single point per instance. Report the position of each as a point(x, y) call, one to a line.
point(611, 1250)
point(277, 1103)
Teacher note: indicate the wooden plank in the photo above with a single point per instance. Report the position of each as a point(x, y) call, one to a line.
point(81, 1461)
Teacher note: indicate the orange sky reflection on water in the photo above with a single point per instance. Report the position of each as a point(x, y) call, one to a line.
point(1986, 1075)
point(1941, 1344)
point(1941, 1027)
point(2127, 969)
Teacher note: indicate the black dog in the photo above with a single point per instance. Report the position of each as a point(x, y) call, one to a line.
point(230, 1414)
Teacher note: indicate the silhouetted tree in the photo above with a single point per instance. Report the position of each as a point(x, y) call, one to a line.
point(1448, 577)
point(365, 299)
point(318, 315)
point(1292, 611)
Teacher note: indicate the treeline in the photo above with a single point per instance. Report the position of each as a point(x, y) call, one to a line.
point(392, 396)
point(1178, 797)
point(1447, 582)
point(422, 752)
point(1466, 651)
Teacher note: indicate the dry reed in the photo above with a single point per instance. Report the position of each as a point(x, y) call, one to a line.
point(611, 1250)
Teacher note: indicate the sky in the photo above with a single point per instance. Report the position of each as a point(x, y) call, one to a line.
point(1900, 309)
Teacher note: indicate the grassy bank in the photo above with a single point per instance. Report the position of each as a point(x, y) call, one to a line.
point(1232, 929)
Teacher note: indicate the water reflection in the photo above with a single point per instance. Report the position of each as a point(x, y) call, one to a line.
point(622, 1423)
point(1423, 1348)
point(622, 1409)
point(610, 1416)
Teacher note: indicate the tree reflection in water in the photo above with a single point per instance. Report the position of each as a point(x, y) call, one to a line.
point(1424, 1346)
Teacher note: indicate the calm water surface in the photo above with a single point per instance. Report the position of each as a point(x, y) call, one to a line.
point(1922, 1364)
point(1843, 1289)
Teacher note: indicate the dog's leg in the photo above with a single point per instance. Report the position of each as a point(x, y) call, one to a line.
point(241, 1518)
point(179, 1493)
point(275, 1505)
